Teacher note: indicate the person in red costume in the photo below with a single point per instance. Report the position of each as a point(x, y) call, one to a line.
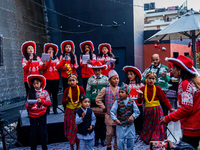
point(105, 55)
point(71, 102)
point(37, 111)
point(31, 63)
point(134, 77)
point(87, 48)
point(188, 100)
point(51, 74)
point(152, 95)
point(68, 61)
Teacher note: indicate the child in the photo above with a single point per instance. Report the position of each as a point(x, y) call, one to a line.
point(152, 95)
point(134, 81)
point(105, 55)
point(37, 111)
point(87, 48)
point(68, 61)
point(31, 63)
point(110, 95)
point(51, 74)
point(71, 101)
point(85, 119)
point(94, 85)
point(127, 111)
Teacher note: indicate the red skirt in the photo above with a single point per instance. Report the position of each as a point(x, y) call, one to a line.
point(152, 130)
point(70, 127)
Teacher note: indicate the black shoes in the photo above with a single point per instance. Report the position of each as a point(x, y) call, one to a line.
point(55, 112)
point(109, 148)
point(96, 143)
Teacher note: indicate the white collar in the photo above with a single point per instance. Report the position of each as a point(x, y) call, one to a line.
point(98, 77)
point(39, 90)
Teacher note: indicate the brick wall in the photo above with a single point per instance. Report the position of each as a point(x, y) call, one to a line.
point(17, 25)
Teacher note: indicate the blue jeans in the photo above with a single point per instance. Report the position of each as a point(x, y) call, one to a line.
point(87, 144)
point(121, 142)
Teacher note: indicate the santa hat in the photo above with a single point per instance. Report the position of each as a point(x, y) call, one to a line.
point(62, 45)
point(97, 65)
point(134, 69)
point(25, 44)
point(104, 45)
point(40, 77)
point(184, 62)
point(86, 43)
point(46, 45)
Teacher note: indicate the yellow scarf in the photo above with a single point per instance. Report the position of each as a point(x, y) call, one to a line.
point(145, 94)
point(70, 94)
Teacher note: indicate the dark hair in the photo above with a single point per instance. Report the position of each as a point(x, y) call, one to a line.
point(71, 54)
point(185, 75)
point(110, 54)
point(137, 79)
point(31, 92)
point(26, 55)
point(54, 56)
point(91, 52)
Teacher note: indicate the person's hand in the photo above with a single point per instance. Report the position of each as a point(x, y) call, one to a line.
point(31, 57)
point(139, 92)
point(44, 63)
point(170, 143)
point(83, 115)
point(30, 105)
point(68, 97)
point(64, 57)
point(89, 61)
point(105, 60)
point(163, 121)
point(66, 69)
point(104, 110)
point(90, 128)
point(130, 119)
point(76, 66)
point(39, 100)
point(172, 110)
point(118, 122)
point(164, 74)
point(76, 102)
point(112, 64)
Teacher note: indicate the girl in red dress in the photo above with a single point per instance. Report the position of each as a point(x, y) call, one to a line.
point(68, 61)
point(134, 81)
point(105, 55)
point(71, 102)
point(152, 95)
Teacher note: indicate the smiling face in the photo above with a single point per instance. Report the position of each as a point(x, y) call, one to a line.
point(68, 48)
point(50, 50)
point(104, 50)
point(30, 49)
point(85, 103)
point(37, 84)
point(131, 75)
point(156, 59)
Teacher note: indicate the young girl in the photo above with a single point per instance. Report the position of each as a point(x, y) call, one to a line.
point(87, 48)
point(71, 100)
point(152, 95)
point(37, 111)
point(68, 61)
point(105, 55)
point(134, 81)
point(31, 63)
point(51, 74)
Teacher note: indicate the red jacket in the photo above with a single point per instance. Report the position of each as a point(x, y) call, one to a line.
point(49, 70)
point(188, 109)
point(87, 72)
point(31, 67)
point(35, 111)
point(109, 67)
point(62, 67)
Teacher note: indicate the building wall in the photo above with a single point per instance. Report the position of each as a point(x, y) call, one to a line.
point(181, 49)
point(17, 25)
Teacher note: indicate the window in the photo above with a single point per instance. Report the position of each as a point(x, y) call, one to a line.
point(186, 54)
point(175, 54)
point(1, 50)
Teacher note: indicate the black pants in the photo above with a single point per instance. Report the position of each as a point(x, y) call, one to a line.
point(27, 88)
point(65, 83)
point(194, 141)
point(139, 121)
point(85, 83)
point(52, 88)
point(42, 131)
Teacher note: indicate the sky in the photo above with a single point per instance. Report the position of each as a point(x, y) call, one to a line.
point(195, 4)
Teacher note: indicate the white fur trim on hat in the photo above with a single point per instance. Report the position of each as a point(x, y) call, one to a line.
point(49, 46)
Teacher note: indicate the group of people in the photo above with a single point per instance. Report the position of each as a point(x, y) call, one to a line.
point(101, 109)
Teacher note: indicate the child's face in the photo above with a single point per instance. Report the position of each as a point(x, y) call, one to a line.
point(30, 49)
point(104, 50)
point(151, 80)
point(114, 81)
point(97, 71)
point(68, 48)
point(85, 103)
point(87, 49)
point(131, 75)
point(123, 94)
point(37, 84)
point(50, 50)
point(72, 82)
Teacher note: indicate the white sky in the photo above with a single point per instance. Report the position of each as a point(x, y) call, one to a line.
point(195, 4)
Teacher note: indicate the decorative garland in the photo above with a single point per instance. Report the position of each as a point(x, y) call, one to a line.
point(145, 94)
point(70, 94)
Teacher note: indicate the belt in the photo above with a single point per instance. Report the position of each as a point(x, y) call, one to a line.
point(155, 103)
